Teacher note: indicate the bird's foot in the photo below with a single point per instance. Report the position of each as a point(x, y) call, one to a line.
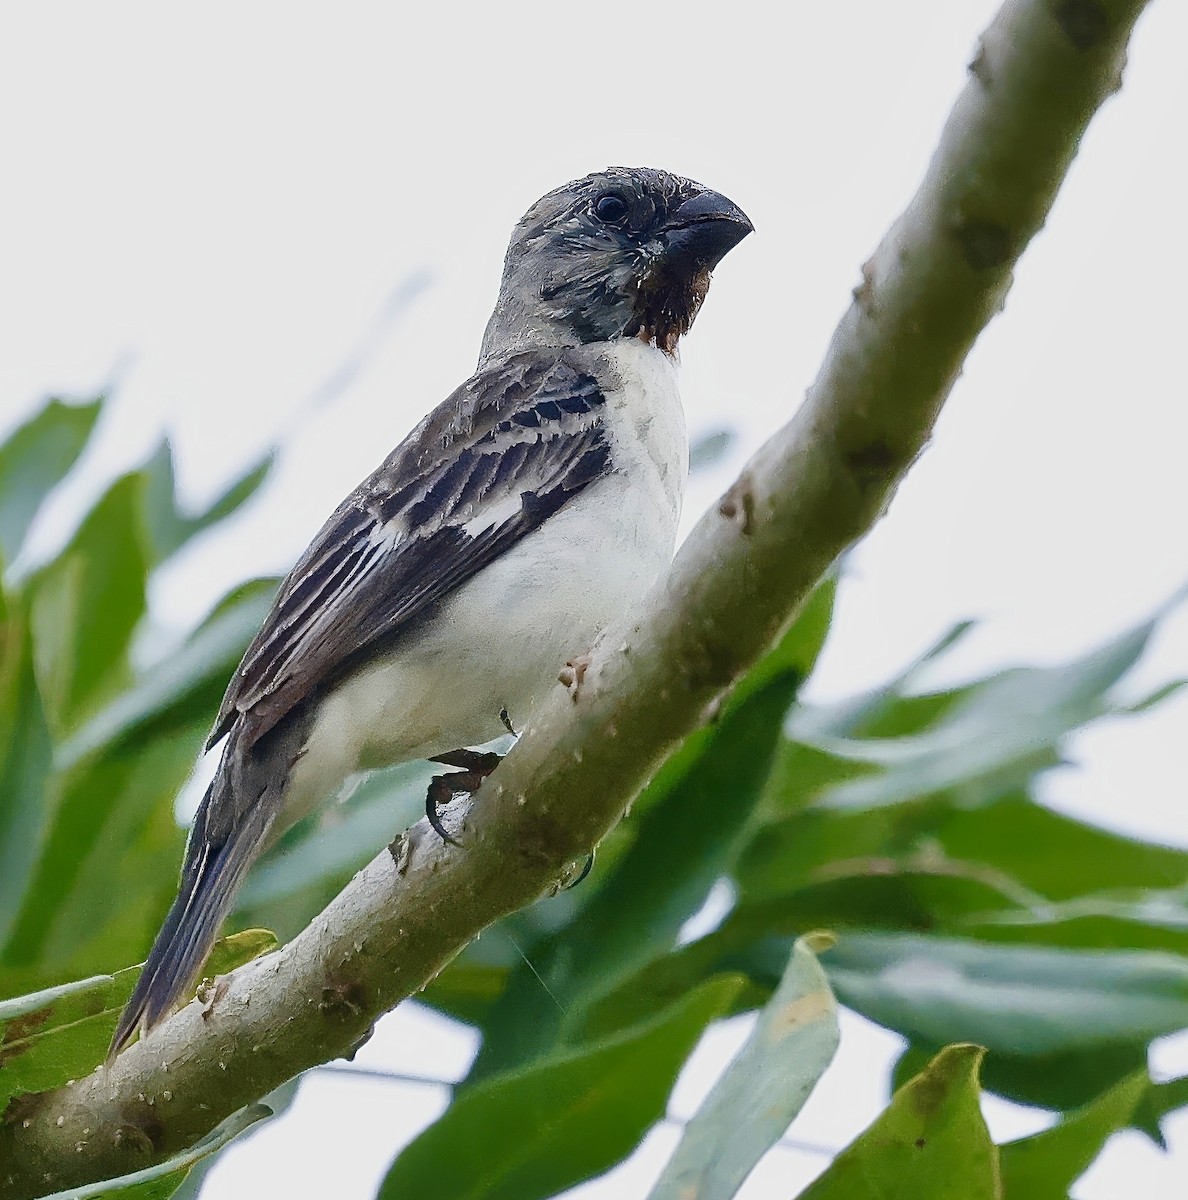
point(475, 766)
point(574, 672)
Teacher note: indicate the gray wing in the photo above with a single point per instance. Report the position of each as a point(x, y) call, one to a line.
point(487, 467)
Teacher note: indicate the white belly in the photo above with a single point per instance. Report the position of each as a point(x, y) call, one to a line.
point(500, 641)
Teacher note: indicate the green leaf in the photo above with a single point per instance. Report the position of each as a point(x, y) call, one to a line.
point(882, 893)
point(786, 855)
point(466, 991)
point(1057, 856)
point(1149, 920)
point(86, 603)
point(1062, 1080)
point(1022, 1000)
point(238, 948)
point(111, 820)
point(25, 757)
point(532, 1132)
point(966, 745)
point(889, 710)
point(1046, 1165)
point(794, 655)
point(803, 773)
point(764, 1087)
point(66, 1035)
point(33, 462)
point(930, 1144)
point(339, 840)
point(695, 817)
point(1156, 697)
point(994, 739)
point(161, 1181)
point(1159, 1100)
point(169, 529)
point(278, 1101)
point(185, 684)
point(21, 1006)
point(714, 801)
point(1013, 844)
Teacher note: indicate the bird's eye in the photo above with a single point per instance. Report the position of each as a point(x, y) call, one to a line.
point(610, 208)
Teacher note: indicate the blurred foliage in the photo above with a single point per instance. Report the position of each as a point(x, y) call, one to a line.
point(905, 820)
point(930, 1144)
point(763, 1088)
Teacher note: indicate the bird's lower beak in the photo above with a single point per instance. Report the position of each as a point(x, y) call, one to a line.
point(704, 229)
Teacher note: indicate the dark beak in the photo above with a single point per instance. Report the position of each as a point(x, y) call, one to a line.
point(704, 229)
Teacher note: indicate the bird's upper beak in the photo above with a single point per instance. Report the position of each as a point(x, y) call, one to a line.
point(704, 229)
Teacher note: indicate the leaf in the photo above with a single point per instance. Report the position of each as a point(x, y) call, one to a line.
point(169, 529)
point(1055, 855)
point(1152, 919)
point(1046, 1165)
point(890, 709)
point(695, 820)
point(930, 1144)
point(466, 991)
point(763, 1088)
point(111, 820)
point(1156, 697)
point(803, 772)
point(192, 677)
point(66, 1035)
point(20, 1006)
point(1159, 1100)
point(86, 603)
point(1021, 1000)
point(238, 948)
point(161, 1181)
point(33, 462)
point(709, 449)
point(786, 854)
point(994, 739)
point(1061, 1025)
point(1012, 841)
point(25, 756)
point(1062, 1080)
point(532, 1132)
point(883, 893)
point(795, 653)
point(713, 800)
point(278, 1101)
point(338, 841)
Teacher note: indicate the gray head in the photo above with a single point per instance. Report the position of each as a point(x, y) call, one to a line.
point(624, 253)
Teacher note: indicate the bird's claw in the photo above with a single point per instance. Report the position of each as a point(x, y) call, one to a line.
point(475, 766)
point(441, 791)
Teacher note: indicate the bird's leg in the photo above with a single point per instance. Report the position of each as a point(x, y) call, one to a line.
point(475, 766)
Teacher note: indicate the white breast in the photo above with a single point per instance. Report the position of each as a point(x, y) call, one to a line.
point(501, 640)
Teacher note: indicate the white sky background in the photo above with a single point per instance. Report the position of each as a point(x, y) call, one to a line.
point(213, 208)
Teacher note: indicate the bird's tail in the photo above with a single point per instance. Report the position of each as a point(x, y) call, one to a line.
point(224, 842)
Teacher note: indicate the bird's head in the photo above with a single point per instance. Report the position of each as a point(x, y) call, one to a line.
point(624, 253)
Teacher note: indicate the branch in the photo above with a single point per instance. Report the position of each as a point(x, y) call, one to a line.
point(940, 275)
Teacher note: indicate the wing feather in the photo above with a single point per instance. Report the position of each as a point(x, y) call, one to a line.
point(488, 466)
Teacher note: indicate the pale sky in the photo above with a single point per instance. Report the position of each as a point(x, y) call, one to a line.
point(213, 210)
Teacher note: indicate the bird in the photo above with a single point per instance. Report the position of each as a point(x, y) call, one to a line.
point(438, 603)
